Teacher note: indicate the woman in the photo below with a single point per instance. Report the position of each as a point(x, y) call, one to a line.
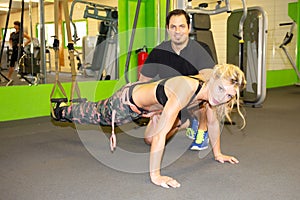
point(165, 102)
point(14, 41)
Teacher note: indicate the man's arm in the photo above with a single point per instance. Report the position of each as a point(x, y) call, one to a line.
point(150, 67)
point(143, 78)
point(10, 40)
point(28, 39)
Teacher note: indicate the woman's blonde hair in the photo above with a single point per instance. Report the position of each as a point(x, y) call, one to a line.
point(236, 77)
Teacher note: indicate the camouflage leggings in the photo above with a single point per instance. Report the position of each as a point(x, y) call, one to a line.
point(114, 109)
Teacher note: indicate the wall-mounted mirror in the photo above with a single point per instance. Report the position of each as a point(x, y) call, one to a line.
point(92, 32)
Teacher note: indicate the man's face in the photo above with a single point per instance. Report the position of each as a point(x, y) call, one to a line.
point(178, 29)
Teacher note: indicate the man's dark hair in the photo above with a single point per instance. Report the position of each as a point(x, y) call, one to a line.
point(178, 12)
point(17, 23)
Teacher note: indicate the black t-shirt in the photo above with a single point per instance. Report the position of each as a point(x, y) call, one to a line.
point(14, 37)
point(163, 62)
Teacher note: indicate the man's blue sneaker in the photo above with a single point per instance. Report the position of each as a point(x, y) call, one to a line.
point(201, 141)
point(193, 130)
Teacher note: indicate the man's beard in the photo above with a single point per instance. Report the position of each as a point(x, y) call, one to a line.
point(178, 42)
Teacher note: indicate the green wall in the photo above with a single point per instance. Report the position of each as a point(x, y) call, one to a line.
point(152, 14)
point(294, 12)
point(279, 78)
point(19, 102)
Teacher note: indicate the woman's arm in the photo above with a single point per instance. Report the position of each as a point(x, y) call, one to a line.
point(178, 91)
point(164, 125)
point(214, 132)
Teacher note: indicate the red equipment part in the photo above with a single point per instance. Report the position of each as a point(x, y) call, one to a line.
point(142, 56)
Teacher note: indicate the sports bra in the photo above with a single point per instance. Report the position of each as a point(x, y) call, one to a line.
point(143, 111)
point(161, 94)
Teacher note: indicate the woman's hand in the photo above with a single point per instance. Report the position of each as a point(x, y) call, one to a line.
point(224, 158)
point(165, 181)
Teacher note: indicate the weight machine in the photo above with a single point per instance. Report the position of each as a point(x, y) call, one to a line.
point(242, 50)
point(105, 58)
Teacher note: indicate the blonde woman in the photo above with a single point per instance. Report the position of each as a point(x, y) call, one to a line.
point(166, 102)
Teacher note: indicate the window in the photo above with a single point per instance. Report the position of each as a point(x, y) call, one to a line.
point(8, 32)
point(49, 33)
point(81, 29)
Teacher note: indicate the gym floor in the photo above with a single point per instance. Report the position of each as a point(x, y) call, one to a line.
point(43, 159)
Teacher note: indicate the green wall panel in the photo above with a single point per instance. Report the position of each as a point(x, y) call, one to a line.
point(19, 102)
point(152, 14)
point(293, 12)
point(279, 78)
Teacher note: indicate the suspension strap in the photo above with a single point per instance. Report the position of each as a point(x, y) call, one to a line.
point(113, 138)
point(75, 87)
point(137, 11)
point(57, 83)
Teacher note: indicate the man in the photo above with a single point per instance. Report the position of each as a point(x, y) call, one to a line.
point(15, 44)
point(180, 56)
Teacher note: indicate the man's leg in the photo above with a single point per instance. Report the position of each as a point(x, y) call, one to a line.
point(151, 126)
point(201, 139)
point(202, 119)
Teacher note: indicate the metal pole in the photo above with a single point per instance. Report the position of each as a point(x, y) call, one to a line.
point(241, 34)
point(42, 42)
point(31, 38)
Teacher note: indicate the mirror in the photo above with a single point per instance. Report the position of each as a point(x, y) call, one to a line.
point(30, 71)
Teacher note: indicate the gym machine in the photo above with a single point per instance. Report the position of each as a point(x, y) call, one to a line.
point(246, 43)
point(253, 52)
point(105, 58)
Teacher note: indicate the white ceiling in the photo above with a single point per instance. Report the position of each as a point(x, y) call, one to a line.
point(16, 5)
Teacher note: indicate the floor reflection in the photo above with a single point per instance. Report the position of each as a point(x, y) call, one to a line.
point(50, 78)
